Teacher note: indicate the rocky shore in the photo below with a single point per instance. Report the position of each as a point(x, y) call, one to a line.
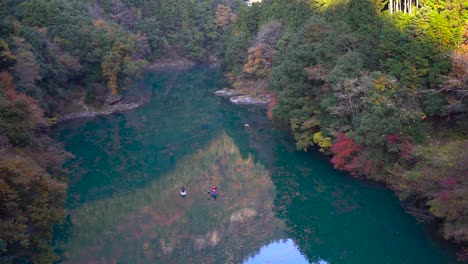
point(239, 97)
point(106, 110)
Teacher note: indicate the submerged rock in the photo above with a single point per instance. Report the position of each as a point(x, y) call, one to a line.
point(247, 99)
point(110, 109)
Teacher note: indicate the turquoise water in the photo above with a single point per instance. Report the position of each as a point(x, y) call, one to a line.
point(275, 205)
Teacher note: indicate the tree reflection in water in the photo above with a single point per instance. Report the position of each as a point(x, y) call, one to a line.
point(155, 224)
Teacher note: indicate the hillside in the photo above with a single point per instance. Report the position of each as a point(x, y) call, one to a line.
point(60, 59)
point(381, 87)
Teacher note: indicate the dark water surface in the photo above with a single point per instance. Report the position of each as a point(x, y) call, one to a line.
point(275, 205)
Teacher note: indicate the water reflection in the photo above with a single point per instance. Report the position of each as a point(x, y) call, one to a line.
point(273, 203)
point(155, 225)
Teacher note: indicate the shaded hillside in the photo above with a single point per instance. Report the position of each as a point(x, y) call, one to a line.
point(62, 57)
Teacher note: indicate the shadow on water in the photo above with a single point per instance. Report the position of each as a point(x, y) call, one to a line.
point(273, 204)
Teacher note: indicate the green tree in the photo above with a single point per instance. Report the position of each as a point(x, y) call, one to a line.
point(37, 13)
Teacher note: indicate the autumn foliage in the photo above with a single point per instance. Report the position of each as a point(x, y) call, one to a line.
point(224, 17)
point(32, 186)
point(261, 53)
point(442, 181)
point(271, 105)
point(345, 154)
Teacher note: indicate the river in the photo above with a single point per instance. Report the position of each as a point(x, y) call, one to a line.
point(274, 204)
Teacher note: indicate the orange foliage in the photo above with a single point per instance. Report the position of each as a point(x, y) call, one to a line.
point(256, 61)
point(464, 46)
point(224, 16)
point(26, 110)
point(271, 104)
point(7, 86)
point(459, 75)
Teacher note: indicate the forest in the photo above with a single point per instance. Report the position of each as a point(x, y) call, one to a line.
point(379, 86)
point(56, 52)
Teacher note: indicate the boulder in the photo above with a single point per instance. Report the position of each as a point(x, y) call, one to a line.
point(112, 99)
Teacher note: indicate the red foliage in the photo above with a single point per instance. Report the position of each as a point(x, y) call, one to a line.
point(448, 182)
point(393, 139)
point(406, 150)
point(368, 167)
point(354, 165)
point(445, 195)
point(345, 151)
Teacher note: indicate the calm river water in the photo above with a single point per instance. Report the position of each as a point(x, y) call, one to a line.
point(274, 204)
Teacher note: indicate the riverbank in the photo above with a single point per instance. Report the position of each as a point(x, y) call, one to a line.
point(128, 171)
point(428, 180)
point(107, 104)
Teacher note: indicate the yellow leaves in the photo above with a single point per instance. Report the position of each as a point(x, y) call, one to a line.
point(305, 135)
point(382, 83)
point(322, 142)
point(422, 116)
point(6, 56)
point(111, 66)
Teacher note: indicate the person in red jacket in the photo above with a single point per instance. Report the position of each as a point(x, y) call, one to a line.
point(214, 192)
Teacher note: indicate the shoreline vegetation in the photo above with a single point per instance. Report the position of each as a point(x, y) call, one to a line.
point(381, 89)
